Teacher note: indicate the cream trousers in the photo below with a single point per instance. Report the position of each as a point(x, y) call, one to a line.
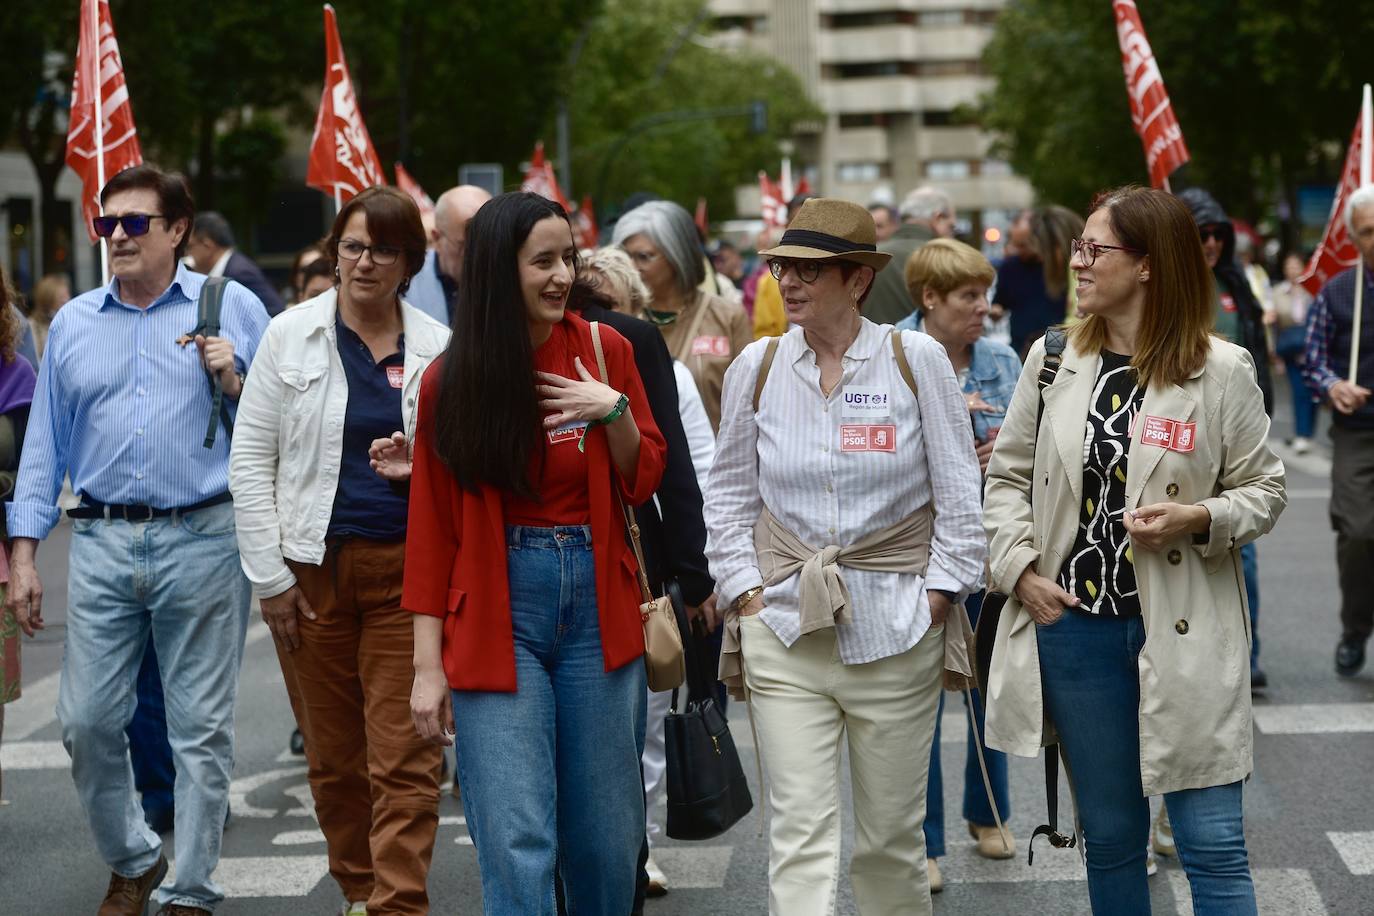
point(806, 702)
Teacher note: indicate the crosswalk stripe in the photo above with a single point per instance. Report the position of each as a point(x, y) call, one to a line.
point(265, 876)
point(34, 755)
point(1278, 892)
point(1356, 851)
point(1315, 718)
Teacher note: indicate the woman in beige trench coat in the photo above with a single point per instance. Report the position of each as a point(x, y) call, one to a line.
point(1116, 533)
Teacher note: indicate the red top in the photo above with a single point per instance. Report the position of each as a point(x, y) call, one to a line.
point(558, 471)
point(455, 565)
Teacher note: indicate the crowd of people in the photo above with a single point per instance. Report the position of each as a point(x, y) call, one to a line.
point(845, 453)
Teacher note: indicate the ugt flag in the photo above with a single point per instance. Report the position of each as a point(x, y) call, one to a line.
point(1337, 252)
point(342, 158)
point(101, 140)
point(1151, 112)
point(406, 183)
point(540, 179)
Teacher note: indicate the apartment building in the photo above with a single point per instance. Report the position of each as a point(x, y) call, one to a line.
point(896, 80)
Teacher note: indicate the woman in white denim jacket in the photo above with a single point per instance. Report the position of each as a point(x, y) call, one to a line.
point(319, 471)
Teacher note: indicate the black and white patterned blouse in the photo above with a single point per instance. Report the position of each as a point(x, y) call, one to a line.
point(1100, 569)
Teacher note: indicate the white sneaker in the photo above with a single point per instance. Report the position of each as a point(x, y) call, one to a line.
point(658, 881)
point(356, 908)
point(1302, 445)
point(1162, 836)
point(1151, 863)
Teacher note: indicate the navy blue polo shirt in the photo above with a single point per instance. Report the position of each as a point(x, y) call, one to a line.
point(365, 505)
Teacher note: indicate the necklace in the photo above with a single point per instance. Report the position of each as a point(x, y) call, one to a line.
point(662, 319)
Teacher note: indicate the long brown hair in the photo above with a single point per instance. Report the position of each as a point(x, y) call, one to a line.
point(11, 328)
point(1176, 323)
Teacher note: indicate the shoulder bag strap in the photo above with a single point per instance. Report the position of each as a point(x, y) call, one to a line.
point(903, 366)
point(769, 352)
point(208, 308)
point(631, 525)
point(1055, 340)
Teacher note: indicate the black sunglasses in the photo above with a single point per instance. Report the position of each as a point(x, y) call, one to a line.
point(133, 223)
point(1212, 232)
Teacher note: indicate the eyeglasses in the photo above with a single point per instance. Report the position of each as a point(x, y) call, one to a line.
point(382, 255)
point(134, 224)
point(806, 269)
point(1212, 232)
point(1089, 251)
point(644, 258)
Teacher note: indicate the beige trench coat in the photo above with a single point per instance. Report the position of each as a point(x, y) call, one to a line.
point(1195, 727)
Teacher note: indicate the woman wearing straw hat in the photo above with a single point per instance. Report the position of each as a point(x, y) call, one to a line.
point(840, 444)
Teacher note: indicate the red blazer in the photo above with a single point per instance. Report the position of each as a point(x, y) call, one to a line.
point(455, 565)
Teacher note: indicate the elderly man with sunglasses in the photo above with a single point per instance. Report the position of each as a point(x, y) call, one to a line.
point(124, 396)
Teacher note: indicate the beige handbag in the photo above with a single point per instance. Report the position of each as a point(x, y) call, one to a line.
point(663, 657)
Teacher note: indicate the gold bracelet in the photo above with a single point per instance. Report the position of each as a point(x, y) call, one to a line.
point(744, 598)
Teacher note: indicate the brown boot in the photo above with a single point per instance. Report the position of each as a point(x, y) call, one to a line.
point(129, 896)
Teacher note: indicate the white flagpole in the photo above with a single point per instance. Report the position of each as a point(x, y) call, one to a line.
point(98, 102)
point(1365, 153)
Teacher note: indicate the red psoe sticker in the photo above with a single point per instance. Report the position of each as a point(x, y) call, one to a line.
point(1174, 435)
point(396, 375)
point(865, 438)
point(711, 346)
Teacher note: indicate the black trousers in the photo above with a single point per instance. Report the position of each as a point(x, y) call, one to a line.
point(1352, 516)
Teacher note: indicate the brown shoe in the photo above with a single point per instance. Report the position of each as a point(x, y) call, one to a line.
point(990, 845)
point(129, 896)
point(181, 909)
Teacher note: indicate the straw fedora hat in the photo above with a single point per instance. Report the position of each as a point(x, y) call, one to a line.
point(827, 228)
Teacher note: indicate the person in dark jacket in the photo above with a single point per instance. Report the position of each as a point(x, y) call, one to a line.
point(212, 252)
point(1240, 319)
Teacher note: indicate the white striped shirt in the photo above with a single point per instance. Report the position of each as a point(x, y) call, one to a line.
point(790, 457)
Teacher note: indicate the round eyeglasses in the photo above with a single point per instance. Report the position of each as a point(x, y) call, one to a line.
point(1089, 251)
point(805, 269)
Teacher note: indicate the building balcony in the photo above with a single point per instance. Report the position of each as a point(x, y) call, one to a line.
point(741, 7)
point(900, 93)
point(900, 43)
point(861, 144)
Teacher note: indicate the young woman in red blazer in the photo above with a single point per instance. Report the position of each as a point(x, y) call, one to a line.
point(527, 632)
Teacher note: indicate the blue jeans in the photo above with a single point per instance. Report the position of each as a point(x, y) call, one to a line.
point(976, 807)
point(182, 581)
point(149, 750)
point(551, 771)
point(1090, 676)
point(1249, 567)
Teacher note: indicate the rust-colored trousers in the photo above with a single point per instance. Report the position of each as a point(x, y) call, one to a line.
point(375, 782)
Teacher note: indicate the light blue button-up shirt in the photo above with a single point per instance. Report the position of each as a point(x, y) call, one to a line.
point(122, 407)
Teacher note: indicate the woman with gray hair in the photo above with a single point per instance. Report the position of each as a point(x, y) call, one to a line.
point(703, 331)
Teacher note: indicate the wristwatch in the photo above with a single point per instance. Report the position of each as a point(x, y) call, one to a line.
point(745, 597)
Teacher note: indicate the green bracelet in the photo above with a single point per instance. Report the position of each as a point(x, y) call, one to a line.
point(620, 407)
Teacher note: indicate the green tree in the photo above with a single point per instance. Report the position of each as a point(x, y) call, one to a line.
point(1266, 92)
point(645, 58)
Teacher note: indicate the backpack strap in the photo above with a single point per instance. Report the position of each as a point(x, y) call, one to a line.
point(903, 366)
point(1056, 338)
point(208, 308)
point(769, 352)
point(600, 353)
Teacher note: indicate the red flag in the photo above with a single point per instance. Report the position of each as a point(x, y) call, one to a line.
point(1151, 112)
point(342, 158)
point(98, 148)
point(584, 224)
point(417, 193)
point(772, 206)
point(1337, 252)
point(703, 226)
point(540, 178)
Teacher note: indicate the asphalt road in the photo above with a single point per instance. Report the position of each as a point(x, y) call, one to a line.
point(1309, 805)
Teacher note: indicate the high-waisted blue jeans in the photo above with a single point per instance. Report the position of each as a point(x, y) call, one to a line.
point(1089, 671)
point(552, 770)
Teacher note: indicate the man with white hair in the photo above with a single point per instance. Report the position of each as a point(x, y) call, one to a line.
point(433, 289)
point(1331, 330)
point(927, 213)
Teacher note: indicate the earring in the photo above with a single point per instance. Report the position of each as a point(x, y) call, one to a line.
point(1144, 277)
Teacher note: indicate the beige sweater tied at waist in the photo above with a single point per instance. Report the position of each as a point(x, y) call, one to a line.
point(901, 548)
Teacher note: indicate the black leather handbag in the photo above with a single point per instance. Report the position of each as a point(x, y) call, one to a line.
point(707, 791)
